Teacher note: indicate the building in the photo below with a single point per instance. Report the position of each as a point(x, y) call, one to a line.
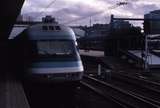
point(98, 30)
point(28, 18)
point(120, 24)
point(20, 18)
point(154, 26)
point(49, 19)
point(78, 32)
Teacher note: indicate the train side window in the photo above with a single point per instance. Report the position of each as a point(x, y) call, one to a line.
point(57, 28)
point(51, 28)
point(44, 28)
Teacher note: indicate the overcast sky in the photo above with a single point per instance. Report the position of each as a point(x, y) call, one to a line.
point(66, 11)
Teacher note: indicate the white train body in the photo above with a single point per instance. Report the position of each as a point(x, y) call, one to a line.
point(55, 53)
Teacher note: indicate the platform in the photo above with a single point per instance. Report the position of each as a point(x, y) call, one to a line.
point(12, 94)
point(153, 60)
point(92, 53)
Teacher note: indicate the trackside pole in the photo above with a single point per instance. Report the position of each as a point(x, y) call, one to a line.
point(99, 70)
point(146, 54)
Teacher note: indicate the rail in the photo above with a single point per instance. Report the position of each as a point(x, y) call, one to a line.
point(138, 87)
point(124, 97)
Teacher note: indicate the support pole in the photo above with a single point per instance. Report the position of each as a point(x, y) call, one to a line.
point(146, 54)
point(99, 69)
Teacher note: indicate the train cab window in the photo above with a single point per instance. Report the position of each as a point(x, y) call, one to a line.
point(55, 48)
point(44, 28)
point(57, 28)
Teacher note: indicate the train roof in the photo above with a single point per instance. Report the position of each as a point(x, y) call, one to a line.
point(49, 31)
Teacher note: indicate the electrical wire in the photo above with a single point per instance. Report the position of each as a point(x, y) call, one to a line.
point(42, 12)
point(97, 13)
point(121, 3)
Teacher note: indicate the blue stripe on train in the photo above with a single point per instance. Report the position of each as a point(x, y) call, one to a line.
point(56, 64)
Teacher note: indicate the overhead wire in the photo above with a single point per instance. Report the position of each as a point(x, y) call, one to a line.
point(121, 3)
point(97, 13)
point(42, 12)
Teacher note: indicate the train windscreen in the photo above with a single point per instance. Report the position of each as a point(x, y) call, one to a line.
point(55, 48)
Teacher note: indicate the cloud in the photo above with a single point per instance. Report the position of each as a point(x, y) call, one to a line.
point(68, 10)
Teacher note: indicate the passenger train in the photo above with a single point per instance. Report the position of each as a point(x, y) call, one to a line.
point(50, 53)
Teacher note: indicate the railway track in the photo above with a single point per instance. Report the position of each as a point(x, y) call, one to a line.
point(142, 87)
point(101, 94)
point(123, 97)
point(124, 72)
point(145, 89)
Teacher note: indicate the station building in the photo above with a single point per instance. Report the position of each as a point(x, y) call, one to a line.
point(154, 26)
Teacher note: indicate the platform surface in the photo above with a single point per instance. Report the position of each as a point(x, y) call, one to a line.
point(12, 94)
point(92, 53)
point(152, 59)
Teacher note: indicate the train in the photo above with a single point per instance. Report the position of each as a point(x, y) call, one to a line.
point(49, 53)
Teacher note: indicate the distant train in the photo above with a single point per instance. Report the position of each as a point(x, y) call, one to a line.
point(50, 53)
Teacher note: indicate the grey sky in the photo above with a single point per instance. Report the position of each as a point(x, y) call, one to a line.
point(68, 10)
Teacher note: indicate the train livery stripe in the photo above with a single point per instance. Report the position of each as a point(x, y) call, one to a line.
point(56, 70)
point(56, 64)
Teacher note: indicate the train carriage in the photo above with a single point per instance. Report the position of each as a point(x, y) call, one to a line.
point(50, 52)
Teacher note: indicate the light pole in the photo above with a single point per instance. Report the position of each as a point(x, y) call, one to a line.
point(146, 54)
